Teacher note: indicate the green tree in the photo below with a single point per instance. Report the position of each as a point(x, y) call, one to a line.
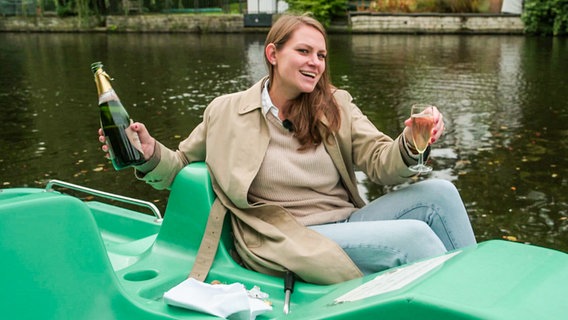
point(546, 17)
point(323, 10)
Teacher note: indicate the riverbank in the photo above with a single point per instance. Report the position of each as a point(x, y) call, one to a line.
point(436, 23)
point(355, 22)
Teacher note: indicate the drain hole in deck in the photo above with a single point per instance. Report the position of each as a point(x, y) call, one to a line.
point(140, 275)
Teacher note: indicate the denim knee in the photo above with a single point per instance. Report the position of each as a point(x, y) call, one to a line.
point(439, 186)
point(439, 191)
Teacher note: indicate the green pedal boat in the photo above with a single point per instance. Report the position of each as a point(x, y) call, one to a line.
point(64, 258)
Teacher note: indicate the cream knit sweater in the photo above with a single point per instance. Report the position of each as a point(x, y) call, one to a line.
point(306, 182)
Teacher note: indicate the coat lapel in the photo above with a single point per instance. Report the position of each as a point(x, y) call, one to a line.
point(235, 165)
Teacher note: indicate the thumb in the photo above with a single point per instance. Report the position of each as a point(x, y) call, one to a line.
point(142, 132)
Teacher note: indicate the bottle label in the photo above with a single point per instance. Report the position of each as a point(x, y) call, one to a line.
point(134, 139)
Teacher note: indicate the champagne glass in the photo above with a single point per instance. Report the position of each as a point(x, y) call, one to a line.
point(422, 124)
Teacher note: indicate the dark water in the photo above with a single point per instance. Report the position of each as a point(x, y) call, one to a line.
point(504, 99)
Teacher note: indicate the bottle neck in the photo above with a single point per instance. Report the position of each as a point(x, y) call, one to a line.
point(102, 80)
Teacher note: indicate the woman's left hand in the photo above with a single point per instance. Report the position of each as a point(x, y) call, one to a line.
point(437, 130)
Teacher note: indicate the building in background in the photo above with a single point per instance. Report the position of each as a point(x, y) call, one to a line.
point(259, 12)
point(512, 6)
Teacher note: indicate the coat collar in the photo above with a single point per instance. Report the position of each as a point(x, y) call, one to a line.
point(252, 97)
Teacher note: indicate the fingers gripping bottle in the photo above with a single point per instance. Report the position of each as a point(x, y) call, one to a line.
point(124, 146)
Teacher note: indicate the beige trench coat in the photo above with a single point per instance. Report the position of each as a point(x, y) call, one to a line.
point(233, 139)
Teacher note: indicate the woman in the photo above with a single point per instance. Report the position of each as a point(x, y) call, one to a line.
point(281, 157)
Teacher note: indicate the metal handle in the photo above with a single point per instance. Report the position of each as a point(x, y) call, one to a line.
point(107, 195)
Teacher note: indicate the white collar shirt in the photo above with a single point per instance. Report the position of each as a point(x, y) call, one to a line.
point(267, 105)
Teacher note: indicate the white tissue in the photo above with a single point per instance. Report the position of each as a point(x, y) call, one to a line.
point(222, 300)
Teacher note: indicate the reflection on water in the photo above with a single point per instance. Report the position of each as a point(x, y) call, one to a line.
point(502, 97)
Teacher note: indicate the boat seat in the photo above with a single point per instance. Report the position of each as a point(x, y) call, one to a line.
point(54, 263)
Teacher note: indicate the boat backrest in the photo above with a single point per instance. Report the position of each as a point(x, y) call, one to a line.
point(54, 264)
point(187, 212)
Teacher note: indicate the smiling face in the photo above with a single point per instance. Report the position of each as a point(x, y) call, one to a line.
point(298, 64)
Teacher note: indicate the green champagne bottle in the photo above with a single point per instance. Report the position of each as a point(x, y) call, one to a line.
point(124, 146)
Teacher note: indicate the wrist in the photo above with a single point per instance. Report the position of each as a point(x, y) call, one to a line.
point(408, 145)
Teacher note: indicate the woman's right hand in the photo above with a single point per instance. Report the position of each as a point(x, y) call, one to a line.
point(146, 140)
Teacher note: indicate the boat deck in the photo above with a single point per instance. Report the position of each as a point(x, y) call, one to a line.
point(65, 258)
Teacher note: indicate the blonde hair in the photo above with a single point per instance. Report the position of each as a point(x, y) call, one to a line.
point(308, 109)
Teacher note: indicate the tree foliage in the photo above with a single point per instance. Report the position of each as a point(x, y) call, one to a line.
point(546, 17)
point(322, 10)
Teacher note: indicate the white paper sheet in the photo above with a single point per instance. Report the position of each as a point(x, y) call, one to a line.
point(394, 280)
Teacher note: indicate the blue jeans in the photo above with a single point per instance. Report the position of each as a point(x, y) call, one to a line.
point(422, 220)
